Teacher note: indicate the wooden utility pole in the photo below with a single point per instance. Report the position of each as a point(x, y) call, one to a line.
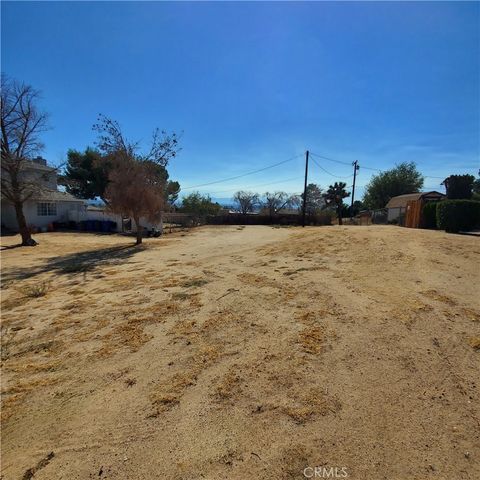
point(304, 209)
point(355, 168)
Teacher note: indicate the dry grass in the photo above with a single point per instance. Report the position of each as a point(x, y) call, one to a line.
point(311, 339)
point(128, 335)
point(24, 293)
point(21, 367)
point(36, 290)
point(14, 301)
point(16, 393)
point(312, 402)
point(475, 343)
point(434, 295)
point(229, 385)
point(194, 282)
point(169, 392)
point(258, 280)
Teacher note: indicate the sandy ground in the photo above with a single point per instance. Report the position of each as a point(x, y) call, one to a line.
point(242, 353)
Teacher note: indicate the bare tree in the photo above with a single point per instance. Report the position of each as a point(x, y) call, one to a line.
point(21, 124)
point(137, 183)
point(274, 202)
point(246, 201)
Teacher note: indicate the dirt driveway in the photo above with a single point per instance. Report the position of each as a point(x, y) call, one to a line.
point(242, 353)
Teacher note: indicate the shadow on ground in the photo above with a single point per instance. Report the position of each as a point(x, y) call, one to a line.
point(76, 263)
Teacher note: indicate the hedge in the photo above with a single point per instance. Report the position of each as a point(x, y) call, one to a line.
point(456, 215)
point(430, 215)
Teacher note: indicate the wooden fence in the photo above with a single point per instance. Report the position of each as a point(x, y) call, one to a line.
point(413, 216)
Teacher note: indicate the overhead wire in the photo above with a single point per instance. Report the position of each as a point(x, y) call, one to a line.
point(243, 174)
point(327, 172)
point(259, 185)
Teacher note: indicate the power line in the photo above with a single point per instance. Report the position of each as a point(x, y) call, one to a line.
point(370, 168)
point(243, 175)
point(327, 172)
point(259, 185)
point(344, 163)
point(331, 159)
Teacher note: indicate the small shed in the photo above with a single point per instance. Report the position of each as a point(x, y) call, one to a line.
point(407, 209)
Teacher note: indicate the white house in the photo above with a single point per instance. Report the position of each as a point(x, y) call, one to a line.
point(46, 206)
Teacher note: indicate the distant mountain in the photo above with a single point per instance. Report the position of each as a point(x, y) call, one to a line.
point(225, 202)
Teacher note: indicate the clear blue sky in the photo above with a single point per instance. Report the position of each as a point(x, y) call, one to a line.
point(252, 84)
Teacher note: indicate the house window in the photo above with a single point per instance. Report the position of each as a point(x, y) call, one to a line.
point(45, 209)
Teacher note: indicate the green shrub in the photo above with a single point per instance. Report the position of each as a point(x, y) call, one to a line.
point(430, 215)
point(456, 215)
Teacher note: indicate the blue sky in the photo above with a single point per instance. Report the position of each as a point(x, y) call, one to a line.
point(252, 84)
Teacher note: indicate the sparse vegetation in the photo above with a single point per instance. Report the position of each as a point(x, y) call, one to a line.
point(36, 290)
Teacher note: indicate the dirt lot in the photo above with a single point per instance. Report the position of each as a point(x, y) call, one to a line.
point(242, 353)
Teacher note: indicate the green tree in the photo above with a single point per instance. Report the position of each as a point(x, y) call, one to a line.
point(87, 175)
point(404, 178)
point(315, 199)
point(476, 188)
point(334, 196)
point(358, 206)
point(198, 204)
point(459, 187)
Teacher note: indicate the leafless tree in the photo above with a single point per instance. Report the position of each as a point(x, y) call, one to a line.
point(276, 201)
point(246, 201)
point(21, 124)
point(137, 184)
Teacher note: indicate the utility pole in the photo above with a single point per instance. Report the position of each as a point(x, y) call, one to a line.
point(355, 168)
point(304, 210)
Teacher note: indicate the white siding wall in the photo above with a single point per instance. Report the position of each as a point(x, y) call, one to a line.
point(30, 211)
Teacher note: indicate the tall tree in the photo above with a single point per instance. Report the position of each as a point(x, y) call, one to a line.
point(334, 196)
point(172, 191)
point(86, 174)
point(137, 180)
point(246, 201)
point(459, 186)
point(315, 199)
point(21, 124)
point(476, 188)
point(404, 178)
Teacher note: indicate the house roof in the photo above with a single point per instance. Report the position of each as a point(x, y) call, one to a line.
point(30, 164)
point(48, 195)
point(401, 200)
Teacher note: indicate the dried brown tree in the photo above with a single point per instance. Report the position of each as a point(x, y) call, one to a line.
point(137, 183)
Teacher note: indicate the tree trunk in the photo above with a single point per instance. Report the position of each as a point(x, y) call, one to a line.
point(27, 239)
point(339, 215)
point(161, 224)
point(139, 231)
